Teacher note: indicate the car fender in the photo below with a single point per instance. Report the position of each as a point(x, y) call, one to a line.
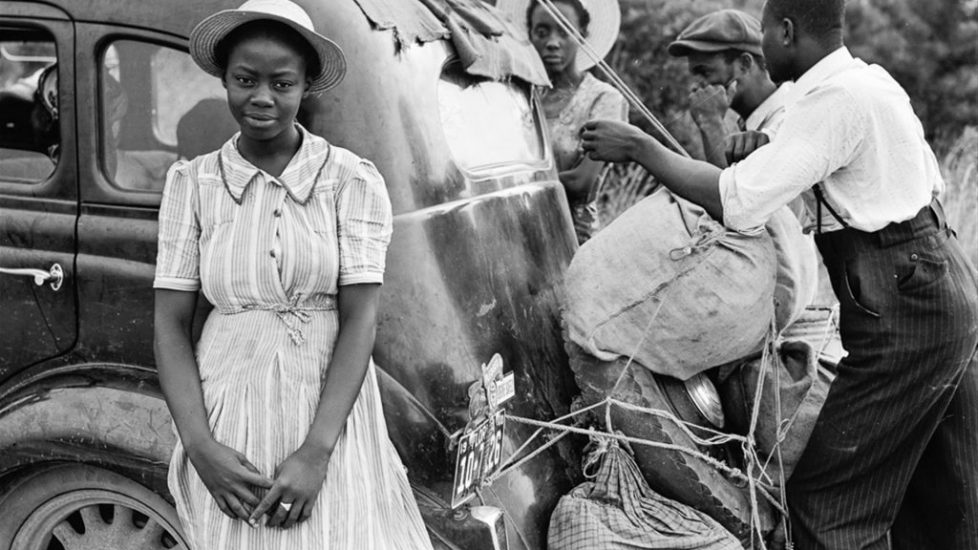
point(106, 415)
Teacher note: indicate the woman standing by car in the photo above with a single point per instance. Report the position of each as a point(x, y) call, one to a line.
point(278, 414)
point(576, 96)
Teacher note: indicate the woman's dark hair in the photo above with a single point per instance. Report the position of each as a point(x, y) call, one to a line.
point(267, 29)
point(582, 15)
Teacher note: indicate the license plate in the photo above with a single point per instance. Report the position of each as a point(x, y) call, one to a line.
point(477, 457)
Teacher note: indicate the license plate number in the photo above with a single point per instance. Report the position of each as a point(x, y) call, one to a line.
point(477, 457)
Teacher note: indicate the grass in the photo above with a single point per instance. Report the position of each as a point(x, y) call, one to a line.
point(959, 166)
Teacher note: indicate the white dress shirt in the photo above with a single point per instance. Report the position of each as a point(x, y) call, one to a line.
point(769, 115)
point(850, 126)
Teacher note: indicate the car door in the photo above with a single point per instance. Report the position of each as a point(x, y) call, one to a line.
point(38, 186)
point(150, 106)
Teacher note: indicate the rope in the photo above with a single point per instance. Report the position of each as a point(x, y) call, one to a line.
point(733, 473)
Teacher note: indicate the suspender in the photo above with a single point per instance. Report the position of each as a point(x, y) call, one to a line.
point(819, 202)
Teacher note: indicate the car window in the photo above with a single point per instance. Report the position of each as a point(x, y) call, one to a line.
point(156, 106)
point(29, 129)
point(488, 123)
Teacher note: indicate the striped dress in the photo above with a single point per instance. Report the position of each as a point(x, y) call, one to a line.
point(270, 254)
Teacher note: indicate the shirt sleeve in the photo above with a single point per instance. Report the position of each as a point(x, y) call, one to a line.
point(820, 135)
point(364, 226)
point(178, 250)
point(609, 104)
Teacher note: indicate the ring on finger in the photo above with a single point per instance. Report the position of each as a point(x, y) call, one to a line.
point(286, 505)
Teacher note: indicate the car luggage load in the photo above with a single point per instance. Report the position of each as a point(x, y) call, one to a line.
point(786, 419)
point(668, 285)
point(676, 464)
point(616, 510)
point(796, 283)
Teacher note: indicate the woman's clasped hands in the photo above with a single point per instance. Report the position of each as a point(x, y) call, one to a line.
point(235, 484)
point(292, 496)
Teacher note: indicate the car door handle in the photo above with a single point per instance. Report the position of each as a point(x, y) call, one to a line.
point(54, 276)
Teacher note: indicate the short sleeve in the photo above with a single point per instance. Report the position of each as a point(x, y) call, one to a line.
point(609, 104)
point(364, 225)
point(178, 250)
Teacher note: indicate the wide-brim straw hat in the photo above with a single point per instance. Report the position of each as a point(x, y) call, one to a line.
point(602, 31)
point(209, 32)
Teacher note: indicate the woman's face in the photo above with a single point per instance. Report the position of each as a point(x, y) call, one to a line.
point(557, 50)
point(266, 82)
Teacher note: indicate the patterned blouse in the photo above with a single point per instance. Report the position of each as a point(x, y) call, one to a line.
point(592, 99)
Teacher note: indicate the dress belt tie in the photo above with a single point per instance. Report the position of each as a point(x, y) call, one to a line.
point(293, 314)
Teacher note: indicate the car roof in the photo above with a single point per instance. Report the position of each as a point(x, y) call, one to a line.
point(176, 17)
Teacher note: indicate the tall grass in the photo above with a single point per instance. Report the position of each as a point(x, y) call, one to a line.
point(959, 166)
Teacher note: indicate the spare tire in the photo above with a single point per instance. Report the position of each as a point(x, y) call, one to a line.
point(674, 474)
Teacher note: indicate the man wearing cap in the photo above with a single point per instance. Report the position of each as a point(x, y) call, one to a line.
point(893, 458)
point(723, 50)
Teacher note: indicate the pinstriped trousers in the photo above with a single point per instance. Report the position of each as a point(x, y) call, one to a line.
point(897, 438)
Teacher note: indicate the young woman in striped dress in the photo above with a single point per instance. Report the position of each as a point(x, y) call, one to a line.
point(282, 442)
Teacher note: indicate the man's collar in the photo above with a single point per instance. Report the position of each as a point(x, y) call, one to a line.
point(298, 178)
point(830, 65)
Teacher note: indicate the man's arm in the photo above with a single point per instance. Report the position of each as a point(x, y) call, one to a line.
point(694, 180)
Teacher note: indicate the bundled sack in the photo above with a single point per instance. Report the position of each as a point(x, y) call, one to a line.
point(667, 276)
point(675, 474)
point(796, 283)
point(618, 510)
point(802, 387)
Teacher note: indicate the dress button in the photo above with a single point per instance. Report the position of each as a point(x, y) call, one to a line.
point(914, 257)
point(277, 212)
point(271, 253)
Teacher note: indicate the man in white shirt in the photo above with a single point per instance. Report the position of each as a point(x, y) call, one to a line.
point(894, 454)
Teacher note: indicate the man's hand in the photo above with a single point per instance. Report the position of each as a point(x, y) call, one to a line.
point(708, 104)
point(611, 140)
point(742, 144)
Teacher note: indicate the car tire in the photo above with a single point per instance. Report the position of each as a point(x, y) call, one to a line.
point(674, 474)
point(80, 507)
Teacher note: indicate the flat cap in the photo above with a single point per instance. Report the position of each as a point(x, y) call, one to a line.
point(719, 31)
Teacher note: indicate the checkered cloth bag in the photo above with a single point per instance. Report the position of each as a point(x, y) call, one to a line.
point(617, 510)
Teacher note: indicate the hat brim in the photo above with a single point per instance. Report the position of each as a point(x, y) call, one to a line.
point(602, 31)
point(209, 32)
point(683, 48)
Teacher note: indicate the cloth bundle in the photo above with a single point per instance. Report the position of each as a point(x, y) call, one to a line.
point(667, 283)
point(617, 510)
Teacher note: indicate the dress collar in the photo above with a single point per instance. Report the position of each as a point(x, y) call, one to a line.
point(774, 102)
point(299, 177)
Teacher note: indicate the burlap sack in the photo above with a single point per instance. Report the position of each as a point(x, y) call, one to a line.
point(797, 277)
point(802, 388)
point(671, 285)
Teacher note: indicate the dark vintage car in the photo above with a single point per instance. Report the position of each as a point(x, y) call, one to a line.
point(482, 236)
